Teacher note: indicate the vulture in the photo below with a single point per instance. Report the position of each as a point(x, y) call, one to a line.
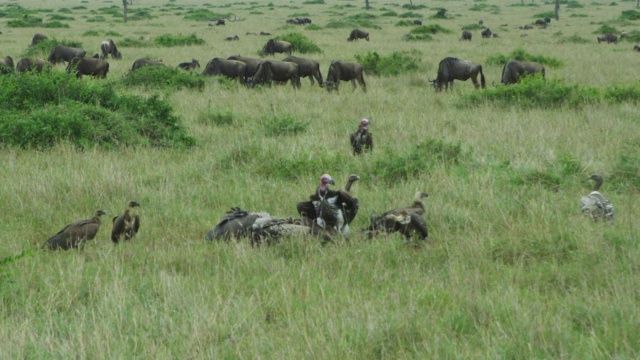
point(270, 230)
point(237, 223)
point(331, 210)
point(595, 205)
point(73, 235)
point(362, 139)
point(405, 220)
point(126, 225)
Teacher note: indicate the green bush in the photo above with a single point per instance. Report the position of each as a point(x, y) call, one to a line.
point(112, 33)
point(96, 19)
point(633, 36)
point(54, 25)
point(534, 92)
point(60, 17)
point(626, 172)
point(25, 22)
point(630, 15)
point(413, 7)
point(313, 27)
point(163, 77)
point(300, 43)
point(389, 13)
point(140, 14)
point(441, 13)
point(575, 39)
point(606, 29)
point(283, 125)
point(395, 64)
point(574, 5)
point(112, 10)
point(485, 7)
point(429, 29)
point(55, 107)
point(472, 27)
point(91, 33)
point(410, 15)
point(542, 15)
point(528, 177)
point(80, 7)
point(522, 55)
point(44, 47)
point(217, 118)
point(65, 11)
point(203, 15)
point(622, 93)
point(128, 42)
point(169, 40)
point(314, 2)
point(351, 23)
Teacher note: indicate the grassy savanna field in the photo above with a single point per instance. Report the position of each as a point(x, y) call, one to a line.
point(511, 268)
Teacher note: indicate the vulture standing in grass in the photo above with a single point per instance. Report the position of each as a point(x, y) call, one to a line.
point(406, 220)
point(362, 139)
point(331, 210)
point(595, 205)
point(73, 235)
point(126, 225)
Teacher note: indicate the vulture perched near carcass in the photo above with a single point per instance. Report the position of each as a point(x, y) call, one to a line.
point(73, 235)
point(595, 205)
point(331, 210)
point(237, 223)
point(407, 220)
point(126, 225)
point(362, 139)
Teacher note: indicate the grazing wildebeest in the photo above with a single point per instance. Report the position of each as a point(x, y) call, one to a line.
point(466, 35)
point(636, 48)
point(230, 68)
point(276, 46)
point(232, 38)
point(278, 71)
point(480, 22)
point(609, 38)
point(6, 65)
point(344, 71)
point(220, 22)
point(29, 64)
point(307, 68)
point(37, 38)
point(146, 62)
point(451, 68)
point(252, 64)
point(358, 34)
point(265, 33)
point(417, 22)
point(64, 53)
point(189, 66)
point(109, 47)
point(88, 66)
point(486, 33)
point(541, 22)
point(515, 70)
point(547, 20)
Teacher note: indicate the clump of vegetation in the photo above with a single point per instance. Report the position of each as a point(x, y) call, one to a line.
point(140, 14)
point(528, 177)
point(218, 118)
point(98, 18)
point(575, 39)
point(44, 47)
point(633, 36)
point(55, 107)
point(300, 43)
point(622, 93)
point(574, 5)
point(522, 55)
point(626, 172)
point(441, 13)
point(578, 15)
point(394, 167)
point(485, 7)
point(389, 13)
point(534, 92)
point(168, 40)
point(404, 23)
point(413, 7)
point(203, 15)
point(65, 11)
point(313, 27)
point(91, 33)
point(355, 21)
point(112, 33)
point(430, 29)
point(283, 125)
point(314, 2)
point(472, 27)
point(546, 14)
point(410, 15)
point(60, 17)
point(630, 15)
point(129, 42)
point(606, 29)
point(163, 77)
point(395, 64)
point(112, 10)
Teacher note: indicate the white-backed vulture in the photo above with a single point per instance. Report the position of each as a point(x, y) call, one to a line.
point(126, 224)
point(362, 139)
point(595, 205)
point(405, 220)
point(73, 235)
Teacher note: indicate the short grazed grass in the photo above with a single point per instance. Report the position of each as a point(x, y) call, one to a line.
point(511, 268)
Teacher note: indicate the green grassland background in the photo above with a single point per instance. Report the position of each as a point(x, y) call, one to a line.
point(511, 268)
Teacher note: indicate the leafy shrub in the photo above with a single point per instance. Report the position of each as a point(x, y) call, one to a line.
point(574, 5)
point(314, 2)
point(417, 37)
point(25, 22)
point(623, 93)
point(203, 15)
point(485, 7)
point(413, 7)
point(44, 47)
point(80, 7)
point(546, 179)
point(65, 11)
point(54, 107)
point(54, 25)
point(522, 55)
point(60, 17)
point(313, 27)
point(394, 167)
point(410, 15)
point(96, 19)
point(283, 125)
point(542, 15)
point(389, 13)
point(575, 39)
point(163, 77)
point(168, 40)
point(112, 33)
point(633, 36)
point(300, 43)
point(113, 10)
point(361, 16)
point(430, 29)
point(578, 15)
point(395, 64)
point(351, 23)
point(630, 15)
point(404, 23)
point(472, 27)
point(128, 42)
point(441, 13)
point(606, 29)
point(91, 33)
point(534, 92)
point(140, 14)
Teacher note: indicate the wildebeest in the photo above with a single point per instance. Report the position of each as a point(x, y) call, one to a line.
point(307, 68)
point(88, 66)
point(6, 65)
point(29, 64)
point(278, 71)
point(466, 35)
point(486, 33)
point(636, 48)
point(146, 62)
point(220, 22)
point(345, 71)
point(108, 47)
point(276, 46)
point(252, 64)
point(547, 20)
point(451, 68)
point(230, 68)
point(358, 34)
point(541, 22)
point(232, 38)
point(417, 22)
point(64, 53)
point(609, 38)
point(526, 27)
point(189, 66)
point(514, 70)
point(299, 21)
point(265, 33)
point(37, 38)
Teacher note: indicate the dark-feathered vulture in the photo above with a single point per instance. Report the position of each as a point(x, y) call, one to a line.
point(329, 209)
point(236, 224)
point(73, 235)
point(362, 139)
point(405, 220)
point(595, 205)
point(271, 230)
point(126, 225)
